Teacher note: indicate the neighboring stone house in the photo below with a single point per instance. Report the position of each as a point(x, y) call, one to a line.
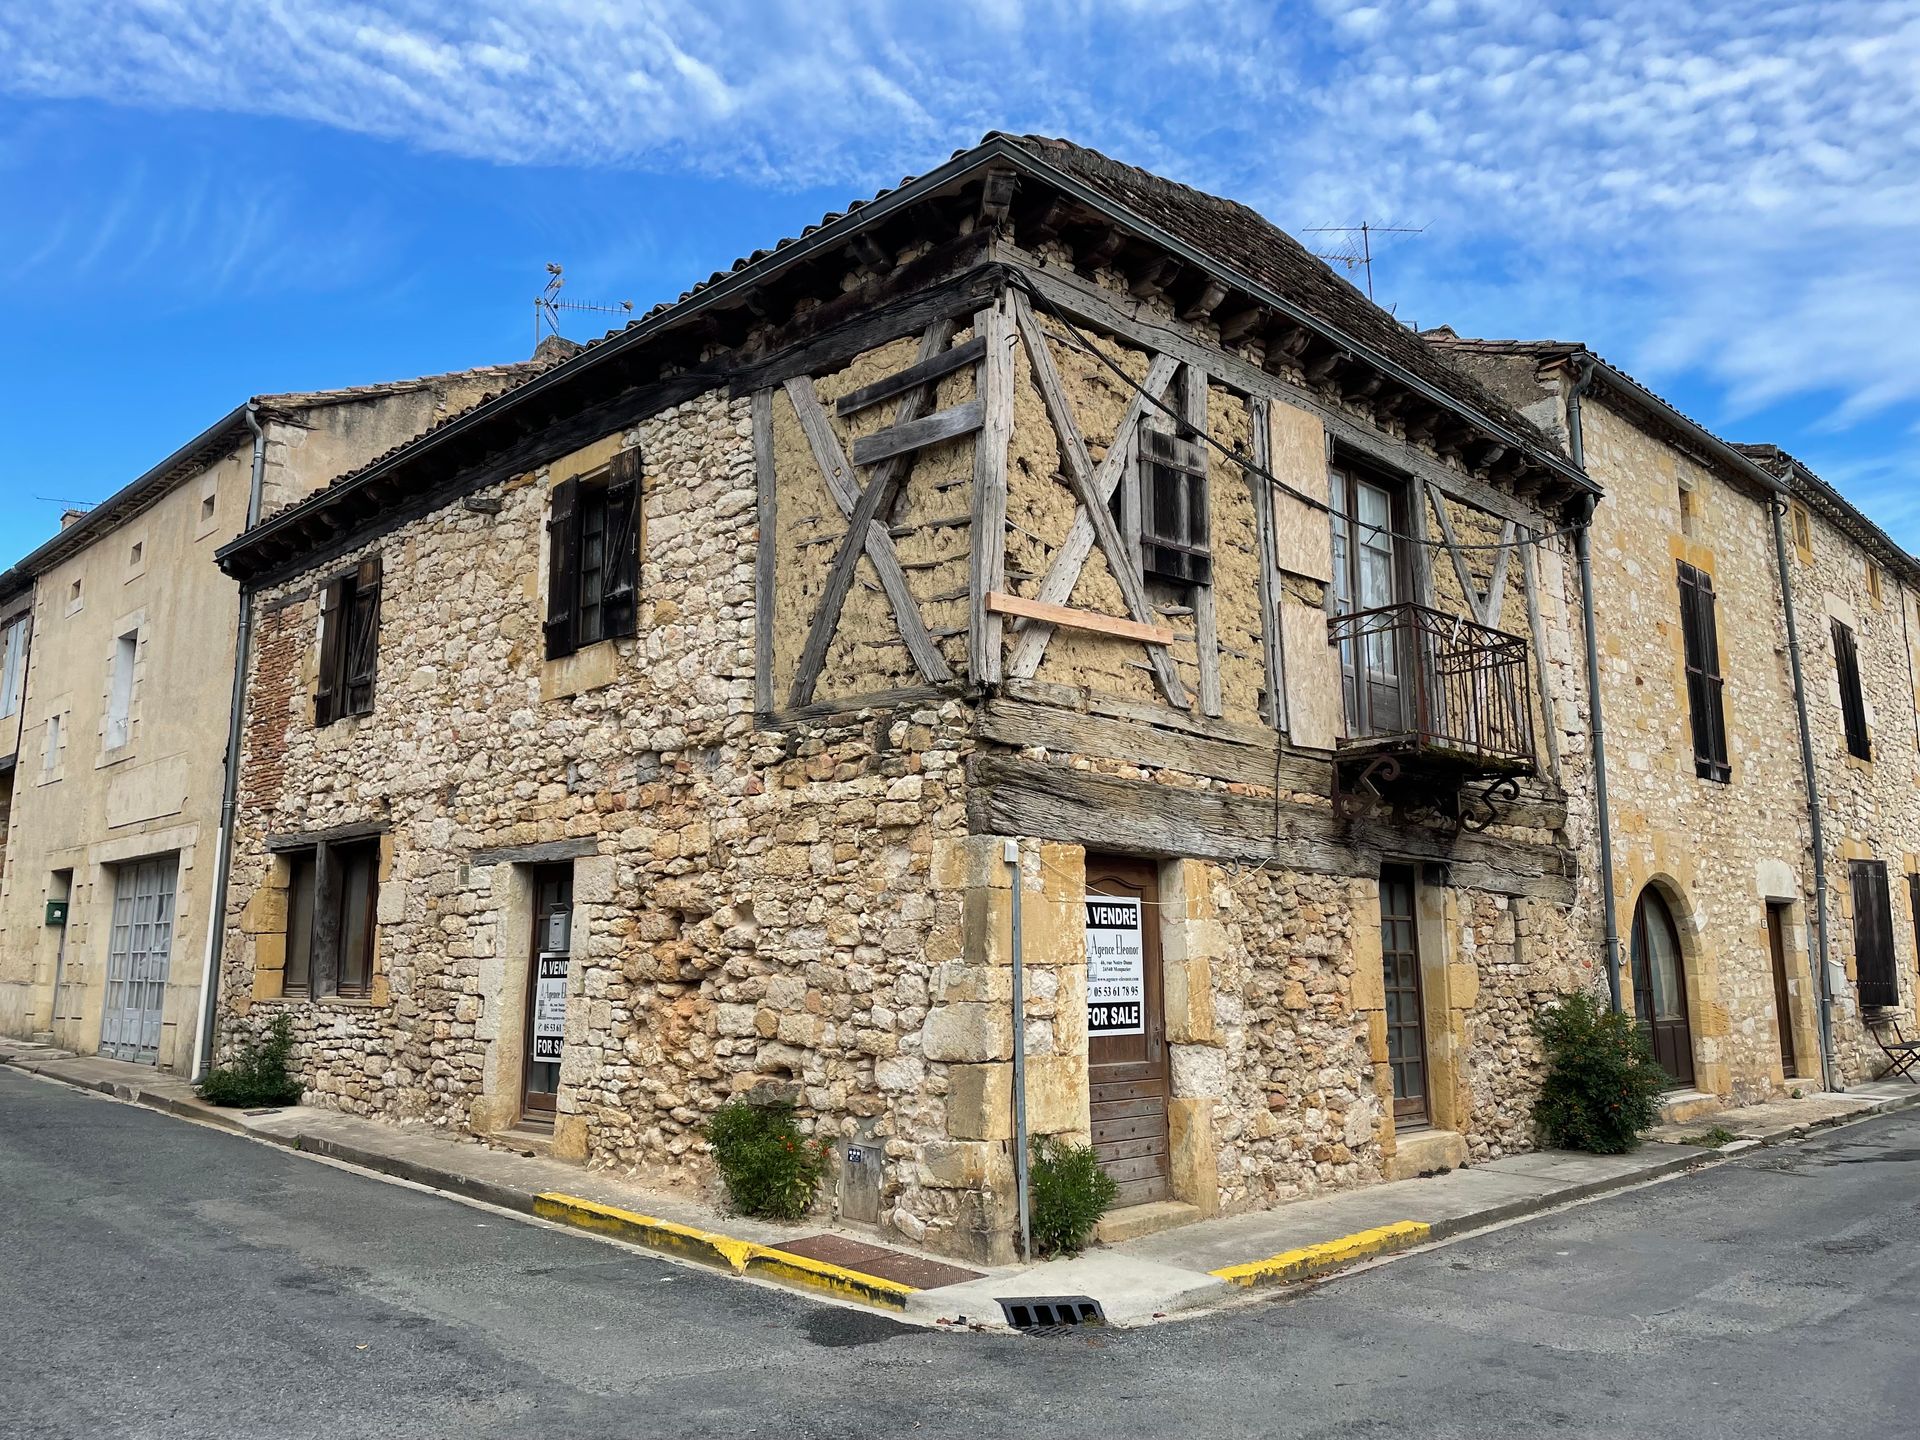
point(658, 732)
point(115, 753)
point(1714, 879)
point(1857, 595)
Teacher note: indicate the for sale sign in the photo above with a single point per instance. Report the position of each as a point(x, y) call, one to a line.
point(549, 1008)
point(1116, 967)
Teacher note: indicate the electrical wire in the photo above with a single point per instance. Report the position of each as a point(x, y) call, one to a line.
point(1525, 534)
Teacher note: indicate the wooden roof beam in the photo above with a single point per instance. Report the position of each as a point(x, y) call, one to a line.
point(1153, 279)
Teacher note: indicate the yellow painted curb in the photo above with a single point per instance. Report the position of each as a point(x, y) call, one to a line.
point(1312, 1260)
point(709, 1247)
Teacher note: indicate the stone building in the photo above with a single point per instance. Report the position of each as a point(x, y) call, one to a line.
point(1716, 902)
point(116, 716)
point(660, 732)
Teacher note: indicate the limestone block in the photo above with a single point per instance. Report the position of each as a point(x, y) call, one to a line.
point(967, 862)
point(1193, 1157)
point(979, 984)
point(986, 927)
point(901, 1074)
point(980, 1102)
point(270, 953)
point(570, 1138)
point(391, 906)
point(964, 1164)
point(1057, 1095)
point(265, 912)
point(1198, 1070)
point(967, 1033)
point(1189, 1002)
point(595, 878)
point(1463, 986)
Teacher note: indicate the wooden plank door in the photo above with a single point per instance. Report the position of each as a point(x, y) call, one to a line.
point(547, 966)
point(1126, 1023)
point(1660, 988)
point(1406, 1004)
point(1782, 1011)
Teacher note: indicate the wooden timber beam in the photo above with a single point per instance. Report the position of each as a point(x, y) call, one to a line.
point(1002, 603)
point(1008, 796)
point(1206, 630)
point(987, 547)
point(932, 368)
point(1202, 306)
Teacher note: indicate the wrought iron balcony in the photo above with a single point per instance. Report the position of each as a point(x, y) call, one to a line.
point(1432, 701)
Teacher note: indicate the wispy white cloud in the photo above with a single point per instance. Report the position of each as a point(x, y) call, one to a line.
point(1715, 189)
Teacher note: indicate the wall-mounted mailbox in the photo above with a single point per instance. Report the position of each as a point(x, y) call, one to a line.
point(56, 912)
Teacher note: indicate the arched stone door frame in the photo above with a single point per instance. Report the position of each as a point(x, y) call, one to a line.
point(1664, 979)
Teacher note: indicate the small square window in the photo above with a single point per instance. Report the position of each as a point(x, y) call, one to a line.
point(206, 507)
point(1873, 581)
point(73, 593)
point(137, 553)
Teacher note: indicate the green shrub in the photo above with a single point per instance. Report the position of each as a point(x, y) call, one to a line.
point(258, 1075)
point(1069, 1192)
point(769, 1167)
point(1603, 1085)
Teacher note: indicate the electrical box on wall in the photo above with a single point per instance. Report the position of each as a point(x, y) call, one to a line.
point(56, 912)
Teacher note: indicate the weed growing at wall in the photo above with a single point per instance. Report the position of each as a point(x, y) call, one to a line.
point(259, 1073)
point(1603, 1085)
point(770, 1169)
point(1070, 1192)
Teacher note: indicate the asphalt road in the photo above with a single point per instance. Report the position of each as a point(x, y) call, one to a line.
point(161, 1279)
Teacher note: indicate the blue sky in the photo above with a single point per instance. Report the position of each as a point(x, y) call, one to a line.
point(206, 199)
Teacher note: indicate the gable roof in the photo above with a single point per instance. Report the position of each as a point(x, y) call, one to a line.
point(1215, 236)
point(211, 445)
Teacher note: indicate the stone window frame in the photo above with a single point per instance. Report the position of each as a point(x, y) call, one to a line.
point(15, 633)
point(1705, 682)
point(268, 918)
point(128, 628)
point(612, 493)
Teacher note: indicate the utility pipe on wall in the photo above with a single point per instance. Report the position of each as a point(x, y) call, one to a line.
point(1020, 1178)
point(230, 785)
point(1823, 984)
point(1576, 441)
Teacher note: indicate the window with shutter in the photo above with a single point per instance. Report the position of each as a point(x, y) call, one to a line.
point(327, 696)
point(1173, 510)
point(349, 643)
point(1853, 705)
point(1705, 687)
point(1873, 934)
point(593, 557)
point(331, 902)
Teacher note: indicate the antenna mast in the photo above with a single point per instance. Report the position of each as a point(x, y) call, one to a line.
point(547, 307)
point(1360, 256)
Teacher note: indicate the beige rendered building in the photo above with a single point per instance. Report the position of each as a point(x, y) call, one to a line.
point(113, 754)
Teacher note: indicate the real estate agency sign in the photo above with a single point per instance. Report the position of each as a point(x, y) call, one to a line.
point(1116, 967)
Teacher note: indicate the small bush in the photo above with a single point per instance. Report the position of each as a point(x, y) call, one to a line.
point(770, 1169)
point(258, 1074)
point(1603, 1085)
point(1712, 1139)
point(1069, 1192)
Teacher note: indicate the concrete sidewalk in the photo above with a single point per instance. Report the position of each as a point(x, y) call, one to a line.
point(1136, 1281)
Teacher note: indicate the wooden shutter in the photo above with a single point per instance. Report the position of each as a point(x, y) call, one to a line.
point(327, 698)
point(620, 572)
point(1853, 708)
point(563, 567)
point(363, 638)
point(1873, 934)
point(1173, 510)
point(1705, 698)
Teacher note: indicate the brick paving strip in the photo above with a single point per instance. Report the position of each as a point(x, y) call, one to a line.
point(1138, 1280)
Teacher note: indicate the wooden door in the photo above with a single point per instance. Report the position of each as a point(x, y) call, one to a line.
point(1782, 1010)
point(1406, 1005)
point(1126, 1028)
point(547, 966)
point(1660, 989)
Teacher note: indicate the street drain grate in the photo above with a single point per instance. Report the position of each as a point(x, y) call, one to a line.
point(1052, 1314)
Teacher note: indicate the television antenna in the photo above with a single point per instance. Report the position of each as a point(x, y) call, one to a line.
point(547, 306)
point(1359, 255)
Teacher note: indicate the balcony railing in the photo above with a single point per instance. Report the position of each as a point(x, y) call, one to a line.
point(1420, 682)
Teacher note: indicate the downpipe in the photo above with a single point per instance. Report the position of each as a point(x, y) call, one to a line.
point(230, 783)
point(1823, 985)
point(1597, 725)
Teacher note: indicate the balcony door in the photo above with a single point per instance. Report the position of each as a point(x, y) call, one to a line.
point(1369, 577)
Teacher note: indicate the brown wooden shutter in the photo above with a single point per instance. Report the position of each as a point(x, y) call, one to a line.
point(620, 574)
point(1705, 698)
point(563, 568)
point(327, 698)
point(363, 638)
point(1873, 934)
point(1853, 708)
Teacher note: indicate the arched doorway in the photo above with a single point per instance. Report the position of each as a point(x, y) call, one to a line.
point(1660, 986)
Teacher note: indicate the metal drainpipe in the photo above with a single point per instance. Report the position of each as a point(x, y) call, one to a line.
point(230, 788)
point(1022, 1181)
point(1823, 984)
point(1576, 441)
